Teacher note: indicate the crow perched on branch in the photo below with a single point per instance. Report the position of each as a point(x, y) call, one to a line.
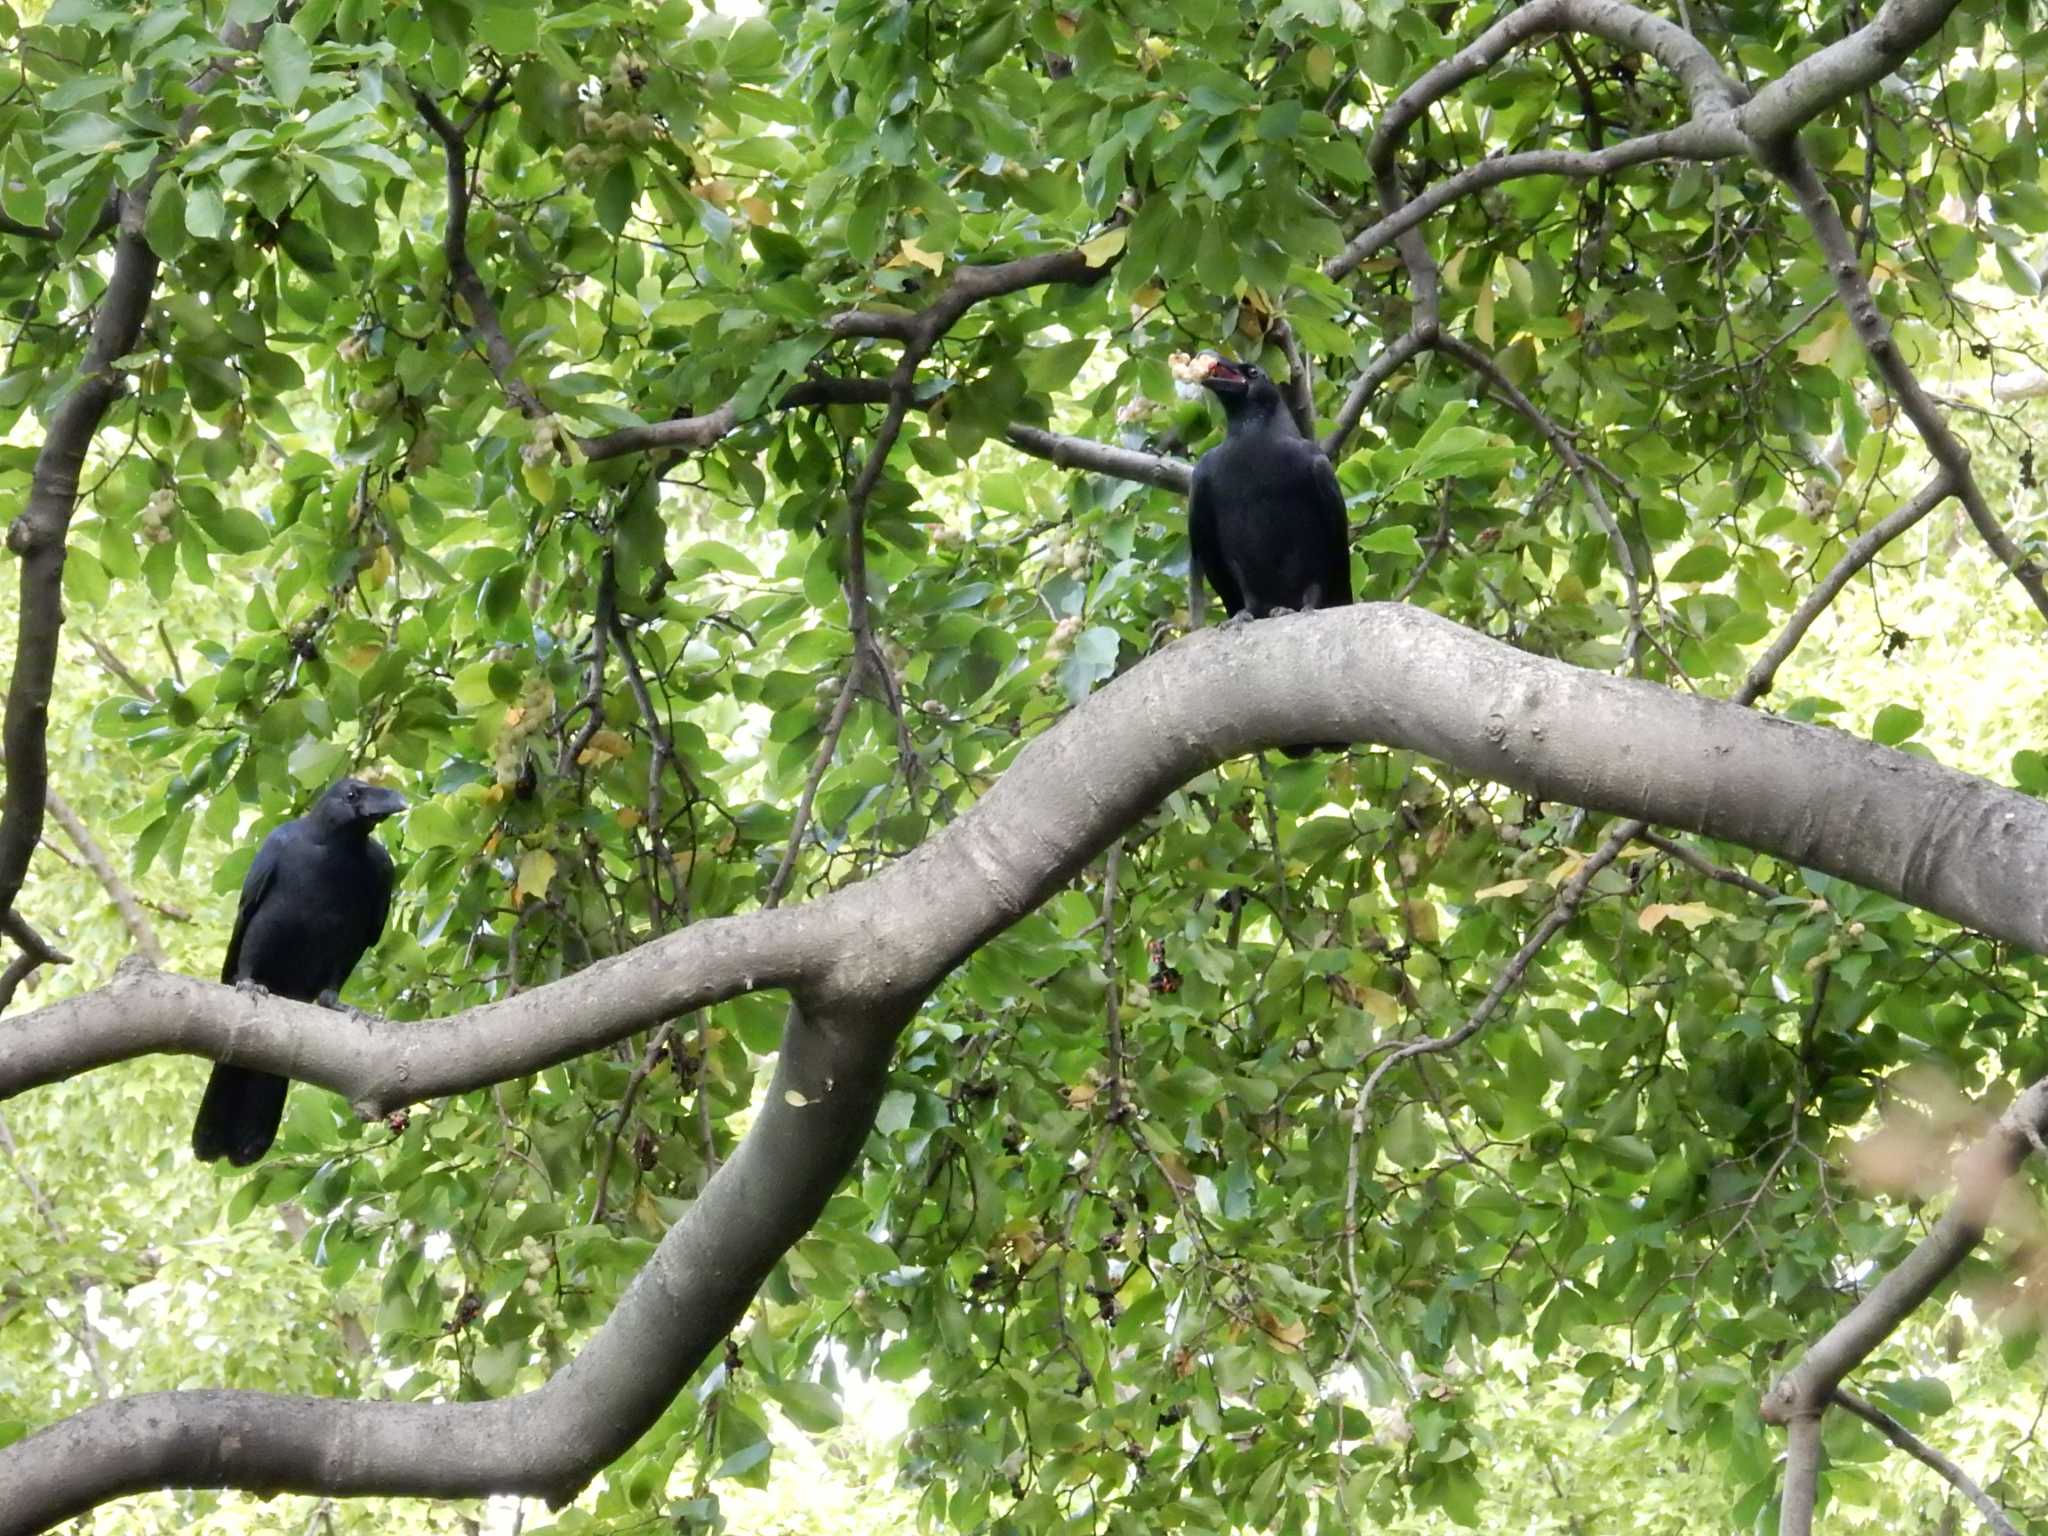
point(1265, 515)
point(313, 902)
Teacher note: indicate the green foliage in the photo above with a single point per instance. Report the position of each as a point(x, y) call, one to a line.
point(1109, 1266)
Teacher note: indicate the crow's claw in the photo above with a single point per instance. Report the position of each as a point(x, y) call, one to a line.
point(250, 988)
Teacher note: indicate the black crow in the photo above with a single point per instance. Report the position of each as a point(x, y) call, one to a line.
point(1265, 515)
point(313, 902)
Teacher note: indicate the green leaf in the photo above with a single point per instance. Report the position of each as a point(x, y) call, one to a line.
point(1895, 723)
point(164, 224)
point(287, 64)
point(810, 1407)
point(1703, 562)
point(1390, 539)
point(206, 212)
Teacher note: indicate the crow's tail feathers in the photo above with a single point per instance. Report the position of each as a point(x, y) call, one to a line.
point(1311, 748)
point(239, 1116)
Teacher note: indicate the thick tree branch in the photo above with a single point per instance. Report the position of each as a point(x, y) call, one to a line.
point(828, 1080)
point(37, 536)
point(860, 961)
point(1955, 845)
point(38, 533)
point(1799, 1397)
point(1841, 69)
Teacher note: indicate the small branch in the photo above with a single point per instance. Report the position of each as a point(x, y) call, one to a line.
point(85, 1335)
point(1707, 140)
point(649, 1058)
point(1562, 445)
point(1301, 396)
point(462, 274)
point(841, 708)
point(140, 930)
point(1693, 859)
point(1112, 1002)
point(1924, 1453)
point(115, 666)
point(1858, 555)
point(1168, 474)
point(1389, 361)
point(1438, 543)
point(1561, 912)
point(1789, 162)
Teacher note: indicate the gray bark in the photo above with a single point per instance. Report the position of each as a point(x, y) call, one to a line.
point(860, 962)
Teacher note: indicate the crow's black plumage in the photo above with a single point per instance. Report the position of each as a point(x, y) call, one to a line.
point(314, 900)
point(1265, 515)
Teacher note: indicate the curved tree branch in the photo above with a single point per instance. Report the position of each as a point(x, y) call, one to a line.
point(1955, 845)
point(37, 535)
point(860, 961)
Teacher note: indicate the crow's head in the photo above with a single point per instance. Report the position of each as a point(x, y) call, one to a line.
point(1242, 388)
point(352, 803)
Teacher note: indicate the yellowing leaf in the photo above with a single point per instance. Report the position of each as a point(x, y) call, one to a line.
point(540, 481)
point(1821, 349)
point(1104, 246)
point(1692, 915)
point(377, 569)
point(1505, 888)
point(1383, 1006)
point(1482, 314)
point(536, 873)
point(1422, 920)
point(759, 211)
point(603, 747)
point(911, 254)
point(1286, 1337)
point(628, 818)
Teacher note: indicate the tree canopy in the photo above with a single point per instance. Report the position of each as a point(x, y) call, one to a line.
point(725, 468)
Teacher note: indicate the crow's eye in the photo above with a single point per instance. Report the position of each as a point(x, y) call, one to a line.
point(354, 794)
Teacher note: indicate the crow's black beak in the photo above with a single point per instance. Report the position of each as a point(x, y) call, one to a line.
point(378, 802)
point(1223, 375)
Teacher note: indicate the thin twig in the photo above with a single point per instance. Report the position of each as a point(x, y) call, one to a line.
point(139, 927)
point(649, 1058)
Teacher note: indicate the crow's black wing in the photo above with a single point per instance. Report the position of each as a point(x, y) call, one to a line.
point(256, 885)
point(1202, 539)
point(1333, 529)
point(378, 907)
